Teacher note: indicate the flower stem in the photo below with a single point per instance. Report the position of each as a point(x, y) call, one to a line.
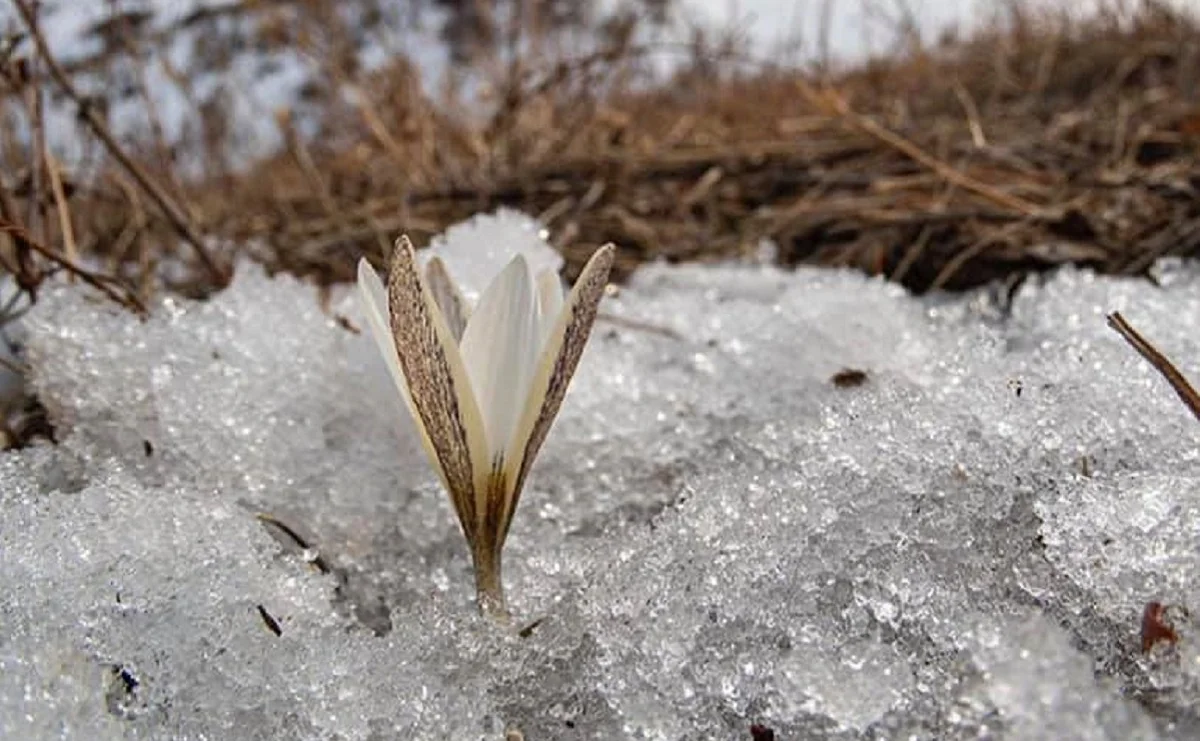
point(489, 587)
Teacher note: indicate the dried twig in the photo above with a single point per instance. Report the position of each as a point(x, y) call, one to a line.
point(966, 254)
point(978, 138)
point(24, 270)
point(132, 238)
point(129, 43)
point(1160, 362)
point(36, 219)
point(102, 283)
point(310, 555)
point(60, 203)
point(174, 213)
point(831, 98)
point(320, 187)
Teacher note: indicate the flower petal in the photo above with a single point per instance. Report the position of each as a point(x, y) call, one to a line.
point(438, 384)
point(499, 348)
point(555, 366)
point(373, 297)
point(550, 301)
point(451, 302)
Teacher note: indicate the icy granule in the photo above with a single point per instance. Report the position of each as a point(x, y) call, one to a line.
point(955, 543)
point(1128, 535)
point(1070, 703)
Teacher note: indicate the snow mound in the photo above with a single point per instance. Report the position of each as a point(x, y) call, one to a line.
point(238, 535)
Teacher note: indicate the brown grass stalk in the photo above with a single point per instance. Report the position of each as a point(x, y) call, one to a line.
point(1179, 383)
point(107, 285)
point(62, 207)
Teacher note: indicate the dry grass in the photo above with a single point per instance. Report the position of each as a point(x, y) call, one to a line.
point(1041, 141)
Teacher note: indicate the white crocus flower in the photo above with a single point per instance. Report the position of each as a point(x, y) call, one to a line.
point(483, 383)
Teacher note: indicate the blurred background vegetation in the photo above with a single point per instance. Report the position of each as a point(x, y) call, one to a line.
point(150, 146)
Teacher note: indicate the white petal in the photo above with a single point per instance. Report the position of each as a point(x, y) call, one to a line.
point(552, 375)
point(550, 301)
point(499, 348)
point(454, 307)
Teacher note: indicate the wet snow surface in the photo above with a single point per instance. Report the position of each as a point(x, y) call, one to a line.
point(715, 535)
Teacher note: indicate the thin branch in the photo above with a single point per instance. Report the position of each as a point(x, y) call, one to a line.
point(317, 561)
point(128, 39)
point(173, 212)
point(834, 100)
point(102, 283)
point(25, 271)
point(11, 266)
point(1160, 362)
point(978, 138)
point(970, 252)
point(36, 219)
point(304, 161)
point(137, 233)
point(64, 210)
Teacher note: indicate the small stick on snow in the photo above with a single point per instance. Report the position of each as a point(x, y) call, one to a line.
point(269, 621)
point(1165, 367)
point(289, 532)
